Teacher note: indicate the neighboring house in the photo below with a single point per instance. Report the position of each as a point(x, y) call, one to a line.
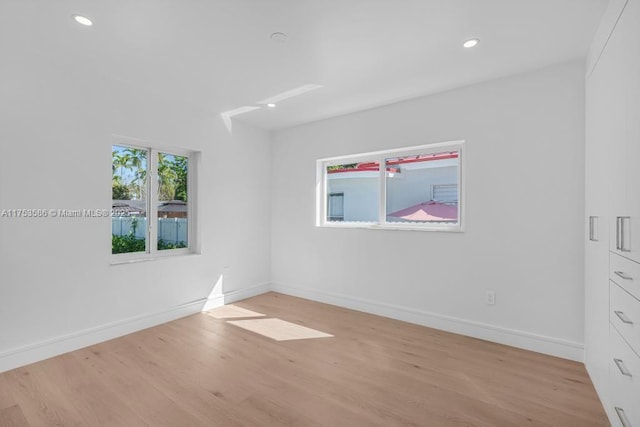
point(128, 208)
point(166, 209)
point(353, 191)
point(129, 217)
point(173, 209)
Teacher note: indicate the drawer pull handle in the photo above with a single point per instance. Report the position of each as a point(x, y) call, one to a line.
point(621, 231)
point(623, 369)
point(593, 230)
point(623, 317)
point(623, 417)
point(618, 229)
point(623, 275)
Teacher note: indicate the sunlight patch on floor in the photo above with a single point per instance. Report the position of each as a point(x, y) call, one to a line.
point(279, 330)
point(232, 312)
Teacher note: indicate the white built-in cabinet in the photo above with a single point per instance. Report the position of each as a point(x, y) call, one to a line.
point(612, 249)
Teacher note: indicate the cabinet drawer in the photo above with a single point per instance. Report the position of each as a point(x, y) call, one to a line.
point(624, 314)
point(625, 273)
point(624, 378)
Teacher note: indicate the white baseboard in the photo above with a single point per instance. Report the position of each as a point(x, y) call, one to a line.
point(526, 340)
point(21, 356)
point(237, 295)
point(35, 352)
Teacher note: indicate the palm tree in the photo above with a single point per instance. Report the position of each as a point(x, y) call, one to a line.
point(166, 178)
point(138, 162)
point(120, 162)
point(180, 168)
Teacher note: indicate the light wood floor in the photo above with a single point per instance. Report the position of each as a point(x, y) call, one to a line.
point(374, 371)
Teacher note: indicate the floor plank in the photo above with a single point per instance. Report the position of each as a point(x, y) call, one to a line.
point(12, 417)
point(203, 370)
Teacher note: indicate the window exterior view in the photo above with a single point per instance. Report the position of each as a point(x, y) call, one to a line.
point(418, 187)
point(149, 187)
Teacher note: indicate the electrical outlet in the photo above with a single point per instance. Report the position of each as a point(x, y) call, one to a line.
point(490, 297)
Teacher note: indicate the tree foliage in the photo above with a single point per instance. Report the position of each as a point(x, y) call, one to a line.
point(129, 169)
point(172, 177)
point(340, 167)
point(129, 243)
point(129, 175)
point(137, 162)
point(126, 244)
point(120, 191)
point(180, 168)
point(166, 245)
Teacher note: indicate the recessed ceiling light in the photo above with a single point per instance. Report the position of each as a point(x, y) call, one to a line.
point(471, 43)
point(271, 105)
point(279, 37)
point(82, 20)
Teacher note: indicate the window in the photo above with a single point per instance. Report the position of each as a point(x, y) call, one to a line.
point(417, 188)
point(152, 202)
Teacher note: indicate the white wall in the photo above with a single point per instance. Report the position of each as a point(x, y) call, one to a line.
point(524, 200)
point(56, 280)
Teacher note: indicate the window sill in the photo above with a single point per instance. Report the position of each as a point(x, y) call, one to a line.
point(148, 257)
point(393, 227)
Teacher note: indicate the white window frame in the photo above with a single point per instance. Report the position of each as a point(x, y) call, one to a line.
point(380, 157)
point(151, 247)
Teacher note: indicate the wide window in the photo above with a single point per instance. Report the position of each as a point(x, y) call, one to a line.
point(410, 188)
point(152, 202)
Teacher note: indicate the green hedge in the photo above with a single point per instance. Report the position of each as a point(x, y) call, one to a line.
point(164, 245)
point(130, 243)
point(126, 244)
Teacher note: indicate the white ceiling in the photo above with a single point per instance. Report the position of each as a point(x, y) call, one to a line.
point(217, 54)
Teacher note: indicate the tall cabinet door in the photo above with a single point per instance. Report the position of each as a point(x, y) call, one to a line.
point(598, 129)
point(614, 143)
point(612, 183)
point(629, 27)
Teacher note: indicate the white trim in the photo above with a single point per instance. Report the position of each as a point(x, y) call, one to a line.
point(133, 257)
point(237, 295)
point(152, 205)
point(45, 349)
point(394, 227)
point(521, 339)
point(132, 142)
point(31, 353)
point(382, 191)
point(408, 151)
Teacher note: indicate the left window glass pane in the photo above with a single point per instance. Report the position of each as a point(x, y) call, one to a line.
point(353, 192)
point(129, 199)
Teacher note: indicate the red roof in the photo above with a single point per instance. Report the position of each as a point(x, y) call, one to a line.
point(375, 166)
point(428, 211)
